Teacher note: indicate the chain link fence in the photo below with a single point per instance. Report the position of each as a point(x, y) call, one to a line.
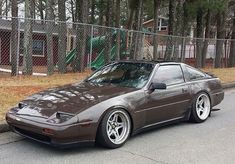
point(42, 47)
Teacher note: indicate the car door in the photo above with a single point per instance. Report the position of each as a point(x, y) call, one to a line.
point(171, 103)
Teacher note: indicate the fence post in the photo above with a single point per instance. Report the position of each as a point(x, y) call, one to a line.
point(183, 50)
point(18, 49)
point(91, 44)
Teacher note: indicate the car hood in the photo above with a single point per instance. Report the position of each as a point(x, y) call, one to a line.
point(71, 99)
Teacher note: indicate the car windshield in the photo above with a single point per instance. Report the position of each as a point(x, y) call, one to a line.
point(134, 75)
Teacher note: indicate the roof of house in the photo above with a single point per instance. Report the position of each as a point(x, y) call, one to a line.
point(36, 26)
point(151, 20)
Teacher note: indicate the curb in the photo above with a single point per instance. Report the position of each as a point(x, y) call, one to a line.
point(228, 85)
point(5, 128)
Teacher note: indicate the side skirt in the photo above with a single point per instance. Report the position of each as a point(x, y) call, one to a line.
point(160, 124)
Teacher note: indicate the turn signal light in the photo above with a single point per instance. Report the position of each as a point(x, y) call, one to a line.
point(48, 131)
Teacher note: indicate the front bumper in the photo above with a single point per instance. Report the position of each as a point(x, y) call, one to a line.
point(79, 134)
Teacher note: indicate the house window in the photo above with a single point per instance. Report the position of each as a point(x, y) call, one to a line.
point(164, 24)
point(150, 29)
point(38, 47)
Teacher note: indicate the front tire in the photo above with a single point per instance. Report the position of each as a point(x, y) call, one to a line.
point(114, 129)
point(201, 108)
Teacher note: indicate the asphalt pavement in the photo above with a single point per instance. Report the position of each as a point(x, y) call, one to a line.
point(211, 142)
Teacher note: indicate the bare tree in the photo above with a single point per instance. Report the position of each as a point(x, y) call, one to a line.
point(62, 37)
point(184, 30)
point(33, 2)
point(157, 4)
point(133, 7)
point(108, 46)
point(221, 18)
point(137, 25)
point(1, 5)
point(207, 35)
point(232, 47)
point(72, 10)
point(49, 26)
point(199, 41)
point(81, 36)
point(14, 38)
point(178, 28)
point(6, 8)
point(171, 23)
point(101, 12)
point(139, 20)
point(27, 60)
point(93, 6)
point(78, 7)
point(118, 13)
point(41, 8)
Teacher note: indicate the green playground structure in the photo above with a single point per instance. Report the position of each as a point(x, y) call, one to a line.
point(97, 43)
point(100, 61)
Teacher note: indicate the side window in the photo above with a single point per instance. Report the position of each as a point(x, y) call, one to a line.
point(169, 74)
point(194, 74)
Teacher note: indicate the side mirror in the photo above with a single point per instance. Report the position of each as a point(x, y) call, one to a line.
point(154, 86)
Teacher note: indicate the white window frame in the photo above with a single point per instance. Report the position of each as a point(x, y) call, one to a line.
point(43, 51)
point(39, 56)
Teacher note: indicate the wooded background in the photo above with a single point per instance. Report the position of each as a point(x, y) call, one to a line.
point(204, 15)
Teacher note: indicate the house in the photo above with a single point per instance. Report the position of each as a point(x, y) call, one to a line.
point(39, 43)
point(162, 25)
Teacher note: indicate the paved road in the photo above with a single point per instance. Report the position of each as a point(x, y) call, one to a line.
point(210, 142)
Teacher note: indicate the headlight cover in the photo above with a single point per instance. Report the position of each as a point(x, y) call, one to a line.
point(61, 117)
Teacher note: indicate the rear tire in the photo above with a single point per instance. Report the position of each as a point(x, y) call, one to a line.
point(114, 129)
point(201, 108)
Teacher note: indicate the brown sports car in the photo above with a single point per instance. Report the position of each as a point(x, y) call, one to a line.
point(117, 101)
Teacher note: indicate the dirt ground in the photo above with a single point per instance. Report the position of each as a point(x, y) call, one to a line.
point(14, 89)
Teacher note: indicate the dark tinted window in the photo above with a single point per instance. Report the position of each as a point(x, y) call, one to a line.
point(194, 73)
point(170, 74)
point(134, 75)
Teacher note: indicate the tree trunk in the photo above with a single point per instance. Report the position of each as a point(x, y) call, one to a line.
point(72, 11)
point(6, 8)
point(81, 37)
point(14, 38)
point(170, 45)
point(178, 28)
point(130, 19)
point(199, 40)
point(49, 26)
point(136, 45)
point(184, 31)
point(157, 4)
point(220, 36)
point(27, 60)
point(41, 11)
point(232, 46)
point(62, 37)
point(93, 5)
point(139, 45)
point(33, 9)
point(207, 35)
point(108, 47)
point(118, 40)
point(78, 10)
point(101, 13)
point(1, 4)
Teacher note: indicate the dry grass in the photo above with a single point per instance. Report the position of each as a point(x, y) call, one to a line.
point(227, 75)
point(14, 89)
